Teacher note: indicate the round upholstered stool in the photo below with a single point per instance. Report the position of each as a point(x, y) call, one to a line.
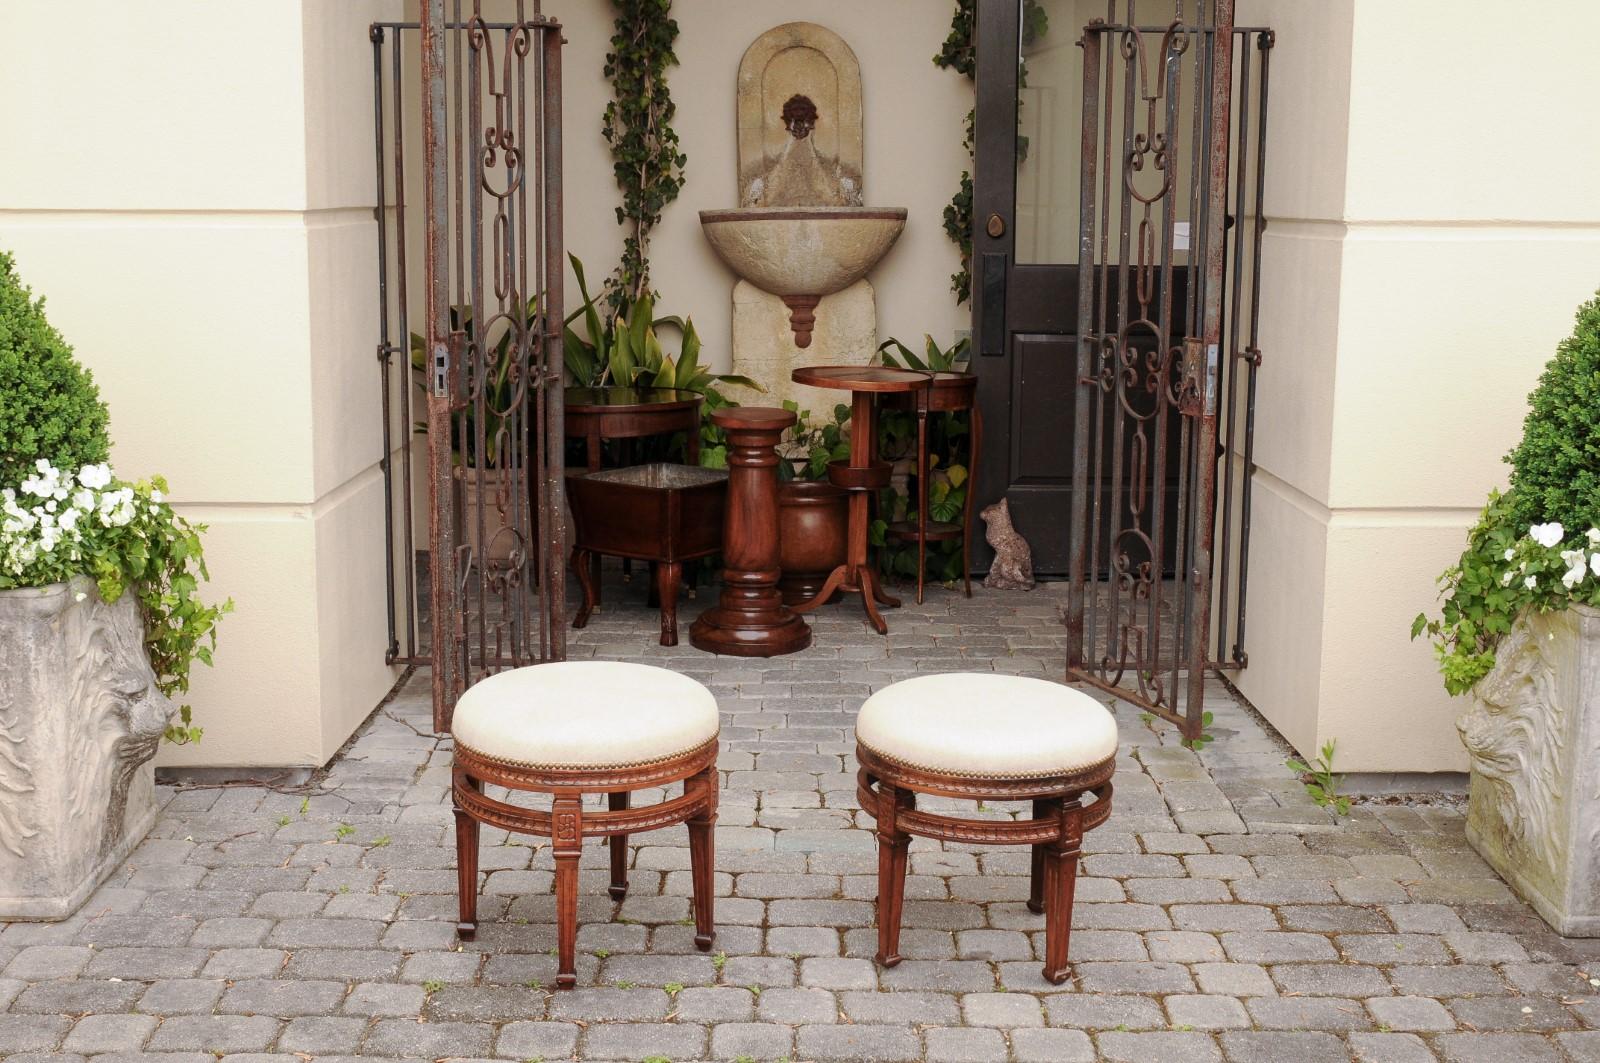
point(577, 727)
point(995, 738)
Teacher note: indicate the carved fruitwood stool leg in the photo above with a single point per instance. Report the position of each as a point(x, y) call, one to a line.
point(640, 727)
point(986, 737)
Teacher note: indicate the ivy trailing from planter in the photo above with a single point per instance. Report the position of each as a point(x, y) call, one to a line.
point(958, 54)
point(638, 126)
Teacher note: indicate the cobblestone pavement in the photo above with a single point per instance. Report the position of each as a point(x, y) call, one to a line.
point(1221, 914)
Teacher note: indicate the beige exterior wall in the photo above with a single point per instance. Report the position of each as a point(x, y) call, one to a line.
point(1425, 253)
point(191, 188)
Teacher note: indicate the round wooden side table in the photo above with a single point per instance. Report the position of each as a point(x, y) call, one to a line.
point(595, 414)
point(750, 620)
point(862, 475)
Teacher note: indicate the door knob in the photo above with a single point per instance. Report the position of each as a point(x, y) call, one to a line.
point(996, 227)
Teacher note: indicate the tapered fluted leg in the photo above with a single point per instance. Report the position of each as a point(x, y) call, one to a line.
point(1041, 809)
point(1061, 880)
point(893, 844)
point(466, 872)
point(566, 819)
point(619, 849)
point(702, 860)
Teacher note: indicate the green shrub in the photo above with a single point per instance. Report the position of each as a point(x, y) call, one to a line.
point(1536, 547)
point(1556, 468)
point(49, 405)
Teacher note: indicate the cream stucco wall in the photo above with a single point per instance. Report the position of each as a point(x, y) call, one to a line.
point(191, 189)
point(1425, 253)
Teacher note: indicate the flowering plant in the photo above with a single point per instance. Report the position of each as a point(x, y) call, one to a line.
point(1504, 571)
point(124, 536)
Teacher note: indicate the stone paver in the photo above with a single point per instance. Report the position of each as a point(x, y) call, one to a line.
point(1221, 915)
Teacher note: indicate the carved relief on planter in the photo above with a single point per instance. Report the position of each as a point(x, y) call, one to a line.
point(1532, 732)
point(80, 719)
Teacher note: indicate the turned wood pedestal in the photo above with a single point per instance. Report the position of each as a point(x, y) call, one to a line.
point(751, 620)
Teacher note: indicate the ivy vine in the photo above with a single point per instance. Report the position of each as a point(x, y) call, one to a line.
point(638, 126)
point(959, 54)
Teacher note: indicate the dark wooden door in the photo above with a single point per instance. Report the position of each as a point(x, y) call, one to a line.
point(1027, 210)
point(1025, 273)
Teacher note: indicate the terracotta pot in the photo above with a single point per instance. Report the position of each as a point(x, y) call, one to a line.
point(813, 528)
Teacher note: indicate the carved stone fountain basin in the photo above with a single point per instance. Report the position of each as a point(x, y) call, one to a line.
point(802, 251)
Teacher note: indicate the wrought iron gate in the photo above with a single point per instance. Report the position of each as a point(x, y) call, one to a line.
point(483, 378)
point(1171, 222)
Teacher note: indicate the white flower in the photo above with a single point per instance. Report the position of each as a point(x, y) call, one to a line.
point(1574, 575)
point(1594, 564)
point(1593, 535)
point(1506, 577)
point(157, 497)
point(1510, 554)
point(1547, 535)
point(83, 500)
point(95, 476)
point(1530, 582)
point(69, 521)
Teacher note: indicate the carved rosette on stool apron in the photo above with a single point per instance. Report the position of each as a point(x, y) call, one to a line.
point(80, 720)
point(1533, 735)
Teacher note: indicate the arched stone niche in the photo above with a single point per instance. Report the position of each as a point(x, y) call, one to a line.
point(798, 58)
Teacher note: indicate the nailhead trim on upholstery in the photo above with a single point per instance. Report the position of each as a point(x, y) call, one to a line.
point(1001, 777)
point(533, 766)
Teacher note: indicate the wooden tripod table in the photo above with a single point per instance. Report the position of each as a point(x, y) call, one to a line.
point(862, 475)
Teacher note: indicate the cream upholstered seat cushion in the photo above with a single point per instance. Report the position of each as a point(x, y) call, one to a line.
point(585, 714)
point(984, 725)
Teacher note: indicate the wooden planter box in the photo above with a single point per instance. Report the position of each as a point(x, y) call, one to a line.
point(664, 514)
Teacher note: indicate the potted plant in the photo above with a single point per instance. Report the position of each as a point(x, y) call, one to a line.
point(813, 514)
point(100, 622)
point(1519, 636)
point(625, 350)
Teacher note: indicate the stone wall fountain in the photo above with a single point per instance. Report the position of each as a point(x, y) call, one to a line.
point(800, 240)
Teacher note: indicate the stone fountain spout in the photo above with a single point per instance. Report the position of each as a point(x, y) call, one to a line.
point(801, 232)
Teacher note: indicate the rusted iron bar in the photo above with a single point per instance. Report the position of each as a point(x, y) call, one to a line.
point(441, 533)
point(385, 352)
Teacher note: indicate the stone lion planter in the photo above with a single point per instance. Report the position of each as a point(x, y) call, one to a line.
point(1533, 733)
point(80, 719)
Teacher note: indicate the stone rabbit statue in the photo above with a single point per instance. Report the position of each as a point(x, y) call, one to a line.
point(1012, 569)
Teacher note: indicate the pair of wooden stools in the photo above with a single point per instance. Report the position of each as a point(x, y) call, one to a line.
point(581, 729)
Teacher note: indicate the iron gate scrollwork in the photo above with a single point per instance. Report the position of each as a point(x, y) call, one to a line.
point(483, 377)
point(1171, 223)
